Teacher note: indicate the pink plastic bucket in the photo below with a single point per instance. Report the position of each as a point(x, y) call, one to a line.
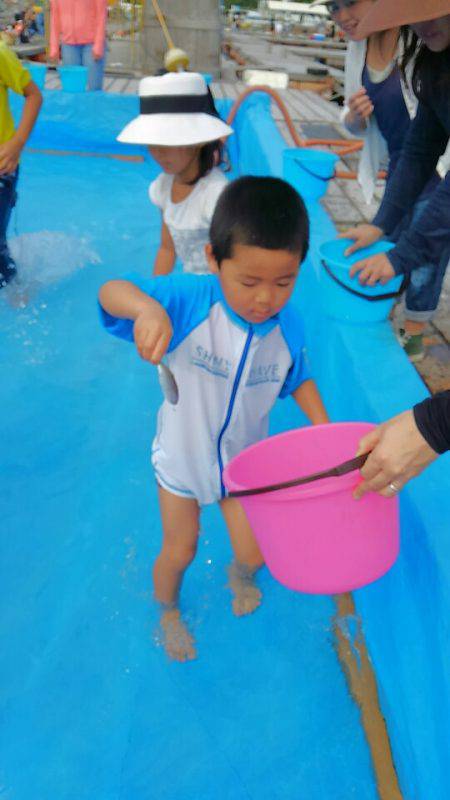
point(316, 538)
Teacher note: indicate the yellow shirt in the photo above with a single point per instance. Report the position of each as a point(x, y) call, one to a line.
point(12, 76)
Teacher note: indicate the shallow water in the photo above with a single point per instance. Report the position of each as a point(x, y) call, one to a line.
point(92, 708)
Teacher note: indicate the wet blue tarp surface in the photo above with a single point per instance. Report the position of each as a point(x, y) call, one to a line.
point(91, 707)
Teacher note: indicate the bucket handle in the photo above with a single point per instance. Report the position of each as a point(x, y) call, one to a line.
point(313, 174)
point(341, 469)
point(371, 297)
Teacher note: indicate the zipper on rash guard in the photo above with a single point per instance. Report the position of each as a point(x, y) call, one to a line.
point(231, 404)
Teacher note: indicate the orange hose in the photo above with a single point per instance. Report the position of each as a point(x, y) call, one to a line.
point(237, 104)
point(342, 147)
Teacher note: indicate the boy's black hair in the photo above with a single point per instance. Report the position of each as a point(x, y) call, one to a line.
point(260, 212)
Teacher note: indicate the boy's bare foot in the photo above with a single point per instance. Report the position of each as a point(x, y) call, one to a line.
point(16, 295)
point(178, 642)
point(247, 596)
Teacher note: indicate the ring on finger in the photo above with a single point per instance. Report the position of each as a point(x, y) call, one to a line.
point(394, 488)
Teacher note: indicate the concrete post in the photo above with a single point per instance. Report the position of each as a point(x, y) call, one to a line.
point(194, 25)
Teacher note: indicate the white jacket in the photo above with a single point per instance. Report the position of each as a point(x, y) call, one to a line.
point(374, 154)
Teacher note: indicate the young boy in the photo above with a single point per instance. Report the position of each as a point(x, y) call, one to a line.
point(234, 345)
point(12, 76)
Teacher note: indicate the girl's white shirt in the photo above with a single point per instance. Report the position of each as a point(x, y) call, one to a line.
point(189, 220)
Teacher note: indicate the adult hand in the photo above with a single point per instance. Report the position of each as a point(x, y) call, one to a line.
point(363, 235)
point(361, 107)
point(376, 269)
point(96, 55)
point(398, 452)
point(9, 155)
point(152, 334)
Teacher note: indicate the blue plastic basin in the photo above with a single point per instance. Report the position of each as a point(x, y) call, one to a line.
point(343, 297)
point(309, 170)
point(37, 71)
point(73, 78)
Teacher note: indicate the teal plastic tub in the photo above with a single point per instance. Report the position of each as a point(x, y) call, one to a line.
point(37, 71)
point(73, 78)
point(309, 170)
point(343, 297)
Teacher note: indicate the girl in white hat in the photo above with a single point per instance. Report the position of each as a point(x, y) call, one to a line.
point(183, 131)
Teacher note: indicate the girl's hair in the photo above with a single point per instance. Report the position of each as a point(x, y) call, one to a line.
point(431, 70)
point(211, 155)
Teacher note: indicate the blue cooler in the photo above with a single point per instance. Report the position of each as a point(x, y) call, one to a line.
point(309, 170)
point(343, 297)
point(38, 71)
point(73, 78)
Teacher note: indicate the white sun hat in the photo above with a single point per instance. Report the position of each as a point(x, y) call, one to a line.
point(176, 110)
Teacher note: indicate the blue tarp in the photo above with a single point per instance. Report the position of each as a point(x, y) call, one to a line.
point(91, 708)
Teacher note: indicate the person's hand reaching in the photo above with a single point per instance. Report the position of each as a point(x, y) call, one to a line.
point(363, 236)
point(398, 452)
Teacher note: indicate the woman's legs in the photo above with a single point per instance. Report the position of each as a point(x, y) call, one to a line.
point(421, 301)
point(180, 521)
point(77, 55)
point(72, 55)
point(247, 558)
point(96, 68)
point(421, 298)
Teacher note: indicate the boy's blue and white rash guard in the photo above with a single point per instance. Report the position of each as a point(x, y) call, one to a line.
point(229, 374)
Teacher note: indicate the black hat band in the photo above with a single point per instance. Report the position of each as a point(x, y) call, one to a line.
point(177, 104)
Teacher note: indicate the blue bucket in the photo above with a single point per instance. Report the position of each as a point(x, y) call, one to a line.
point(37, 72)
point(73, 78)
point(309, 170)
point(343, 297)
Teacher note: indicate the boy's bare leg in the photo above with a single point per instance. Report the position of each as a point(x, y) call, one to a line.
point(180, 521)
point(247, 555)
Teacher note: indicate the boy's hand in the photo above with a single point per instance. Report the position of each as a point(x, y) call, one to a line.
point(152, 334)
point(9, 156)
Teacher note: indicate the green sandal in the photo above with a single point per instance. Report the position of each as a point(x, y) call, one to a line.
point(412, 345)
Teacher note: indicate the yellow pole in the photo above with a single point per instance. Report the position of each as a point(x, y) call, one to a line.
point(162, 22)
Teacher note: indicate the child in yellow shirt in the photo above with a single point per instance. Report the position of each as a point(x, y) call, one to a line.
point(12, 76)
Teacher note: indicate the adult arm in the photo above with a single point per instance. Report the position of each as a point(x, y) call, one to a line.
point(55, 30)
point(98, 47)
point(432, 418)
point(10, 151)
point(428, 237)
point(424, 143)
